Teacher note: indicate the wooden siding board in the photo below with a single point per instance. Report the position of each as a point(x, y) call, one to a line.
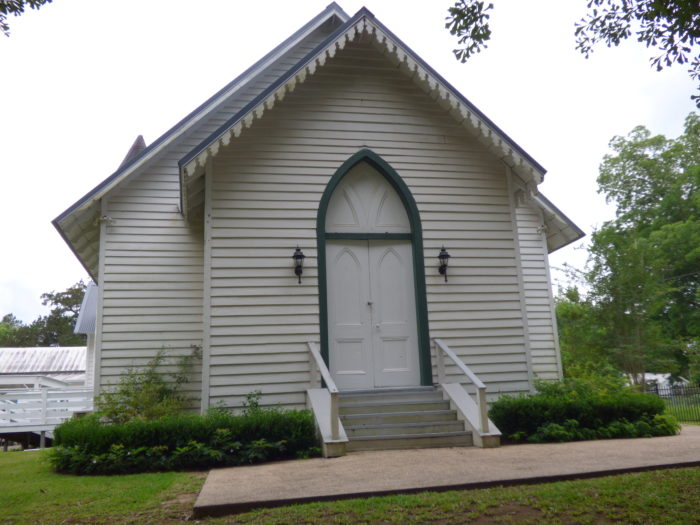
point(152, 279)
point(539, 302)
point(293, 151)
point(266, 192)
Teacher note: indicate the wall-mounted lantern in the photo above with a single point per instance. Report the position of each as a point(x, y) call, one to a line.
point(444, 258)
point(298, 262)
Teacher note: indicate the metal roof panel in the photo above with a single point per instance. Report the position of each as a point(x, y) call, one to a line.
point(43, 360)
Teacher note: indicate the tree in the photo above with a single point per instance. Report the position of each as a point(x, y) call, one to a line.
point(468, 21)
point(55, 329)
point(672, 27)
point(16, 8)
point(629, 294)
point(644, 272)
point(583, 340)
point(14, 333)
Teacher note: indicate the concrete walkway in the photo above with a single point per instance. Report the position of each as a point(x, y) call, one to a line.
point(360, 474)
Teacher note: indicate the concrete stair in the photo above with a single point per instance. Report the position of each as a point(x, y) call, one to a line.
point(400, 418)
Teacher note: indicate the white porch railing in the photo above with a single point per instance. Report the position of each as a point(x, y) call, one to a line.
point(483, 418)
point(35, 410)
point(318, 367)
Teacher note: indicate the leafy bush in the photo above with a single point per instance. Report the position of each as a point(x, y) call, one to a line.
point(90, 445)
point(571, 410)
point(145, 393)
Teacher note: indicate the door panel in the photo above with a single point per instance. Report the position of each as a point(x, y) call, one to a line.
point(394, 340)
point(371, 314)
point(349, 319)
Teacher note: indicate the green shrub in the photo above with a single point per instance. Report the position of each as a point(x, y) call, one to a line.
point(145, 393)
point(571, 410)
point(90, 445)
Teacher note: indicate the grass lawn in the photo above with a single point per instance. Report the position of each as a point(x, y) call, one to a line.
point(31, 493)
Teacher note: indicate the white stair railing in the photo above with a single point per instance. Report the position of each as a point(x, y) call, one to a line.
point(318, 366)
point(440, 349)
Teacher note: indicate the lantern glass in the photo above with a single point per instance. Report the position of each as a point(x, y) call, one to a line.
point(443, 257)
point(298, 257)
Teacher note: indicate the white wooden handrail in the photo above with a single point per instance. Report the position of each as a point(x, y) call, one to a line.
point(28, 410)
point(320, 365)
point(441, 348)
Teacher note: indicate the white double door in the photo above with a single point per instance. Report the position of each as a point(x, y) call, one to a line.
point(371, 314)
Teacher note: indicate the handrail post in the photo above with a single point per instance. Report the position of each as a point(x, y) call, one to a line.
point(312, 371)
point(440, 363)
point(335, 433)
point(481, 396)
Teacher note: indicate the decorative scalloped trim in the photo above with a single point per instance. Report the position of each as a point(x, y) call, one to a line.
point(440, 93)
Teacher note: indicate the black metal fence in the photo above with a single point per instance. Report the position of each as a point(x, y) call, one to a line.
point(683, 401)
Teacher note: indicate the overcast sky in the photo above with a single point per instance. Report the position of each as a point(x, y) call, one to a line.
point(80, 79)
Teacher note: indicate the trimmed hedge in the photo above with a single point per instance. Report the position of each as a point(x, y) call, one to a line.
point(91, 446)
point(568, 412)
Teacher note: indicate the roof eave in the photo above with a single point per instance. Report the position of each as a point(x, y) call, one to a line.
point(195, 160)
point(63, 235)
point(195, 116)
point(573, 232)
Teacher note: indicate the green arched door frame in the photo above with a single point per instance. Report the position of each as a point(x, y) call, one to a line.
point(416, 238)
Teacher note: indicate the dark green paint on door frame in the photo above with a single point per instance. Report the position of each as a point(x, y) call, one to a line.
point(416, 238)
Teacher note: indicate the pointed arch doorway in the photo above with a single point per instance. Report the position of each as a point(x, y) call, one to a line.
point(371, 279)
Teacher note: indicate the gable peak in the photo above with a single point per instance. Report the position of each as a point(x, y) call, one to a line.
point(364, 12)
point(137, 147)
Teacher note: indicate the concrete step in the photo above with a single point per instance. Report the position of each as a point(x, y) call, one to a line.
point(404, 441)
point(388, 418)
point(431, 427)
point(403, 394)
point(375, 407)
point(399, 418)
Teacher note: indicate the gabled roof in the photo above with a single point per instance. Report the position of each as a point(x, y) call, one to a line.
point(365, 23)
point(79, 224)
point(529, 173)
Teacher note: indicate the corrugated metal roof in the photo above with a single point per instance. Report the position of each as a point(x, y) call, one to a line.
point(88, 311)
point(43, 361)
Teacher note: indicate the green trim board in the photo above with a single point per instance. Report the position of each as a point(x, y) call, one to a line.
point(416, 238)
point(371, 236)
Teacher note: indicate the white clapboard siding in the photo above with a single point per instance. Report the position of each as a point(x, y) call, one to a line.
point(266, 190)
point(152, 273)
point(544, 345)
